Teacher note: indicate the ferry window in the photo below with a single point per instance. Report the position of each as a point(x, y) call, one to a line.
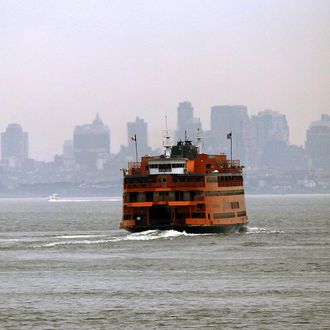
point(234, 205)
point(223, 215)
point(241, 214)
point(198, 215)
point(164, 167)
point(211, 179)
point(133, 197)
point(149, 196)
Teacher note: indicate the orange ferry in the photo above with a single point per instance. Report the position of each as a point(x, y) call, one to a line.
point(184, 190)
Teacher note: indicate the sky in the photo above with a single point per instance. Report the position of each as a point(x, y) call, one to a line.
point(63, 61)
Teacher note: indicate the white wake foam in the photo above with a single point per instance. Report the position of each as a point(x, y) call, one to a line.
point(78, 242)
point(258, 230)
point(78, 236)
point(142, 236)
point(158, 234)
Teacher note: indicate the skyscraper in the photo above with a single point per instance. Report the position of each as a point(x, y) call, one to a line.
point(187, 123)
point(318, 143)
point(91, 144)
point(271, 130)
point(14, 145)
point(235, 119)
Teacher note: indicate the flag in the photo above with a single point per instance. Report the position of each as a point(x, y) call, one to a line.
point(229, 135)
point(133, 138)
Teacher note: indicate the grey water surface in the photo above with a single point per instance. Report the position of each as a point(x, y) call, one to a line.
point(66, 265)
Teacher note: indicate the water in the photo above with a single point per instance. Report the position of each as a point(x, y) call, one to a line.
point(66, 265)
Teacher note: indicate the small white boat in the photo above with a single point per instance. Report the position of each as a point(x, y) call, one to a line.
point(53, 198)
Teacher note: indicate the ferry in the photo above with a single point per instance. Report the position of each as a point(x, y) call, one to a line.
point(53, 198)
point(184, 190)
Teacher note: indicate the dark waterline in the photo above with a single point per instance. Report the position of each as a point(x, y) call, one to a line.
point(67, 265)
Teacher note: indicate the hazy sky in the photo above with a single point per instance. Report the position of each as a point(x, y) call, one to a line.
point(63, 61)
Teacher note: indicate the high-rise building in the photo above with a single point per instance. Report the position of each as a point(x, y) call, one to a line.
point(68, 149)
point(138, 128)
point(91, 144)
point(14, 145)
point(234, 119)
point(318, 143)
point(188, 125)
point(270, 128)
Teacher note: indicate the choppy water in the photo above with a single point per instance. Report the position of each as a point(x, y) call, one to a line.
point(66, 265)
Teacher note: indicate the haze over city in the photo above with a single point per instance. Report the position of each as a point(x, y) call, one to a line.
point(62, 62)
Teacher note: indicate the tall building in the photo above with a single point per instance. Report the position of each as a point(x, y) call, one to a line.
point(139, 128)
point(68, 149)
point(14, 145)
point(187, 123)
point(318, 143)
point(91, 144)
point(270, 129)
point(235, 119)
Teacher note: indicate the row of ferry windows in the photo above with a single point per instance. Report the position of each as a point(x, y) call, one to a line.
point(165, 166)
point(229, 215)
point(185, 178)
point(157, 196)
point(226, 178)
point(202, 215)
point(154, 179)
point(150, 196)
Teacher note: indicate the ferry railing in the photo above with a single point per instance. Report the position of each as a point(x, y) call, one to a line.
point(133, 168)
point(169, 185)
point(234, 163)
point(134, 165)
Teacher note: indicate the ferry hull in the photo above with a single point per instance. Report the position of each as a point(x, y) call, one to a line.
point(232, 228)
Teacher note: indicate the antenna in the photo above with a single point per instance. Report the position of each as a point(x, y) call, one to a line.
point(167, 143)
point(199, 140)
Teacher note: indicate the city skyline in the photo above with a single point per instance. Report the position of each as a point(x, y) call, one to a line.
point(62, 62)
point(115, 148)
point(119, 136)
point(260, 143)
point(250, 135)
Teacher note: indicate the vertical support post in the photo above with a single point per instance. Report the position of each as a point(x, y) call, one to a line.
point(229, 136)
point(136, 151)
